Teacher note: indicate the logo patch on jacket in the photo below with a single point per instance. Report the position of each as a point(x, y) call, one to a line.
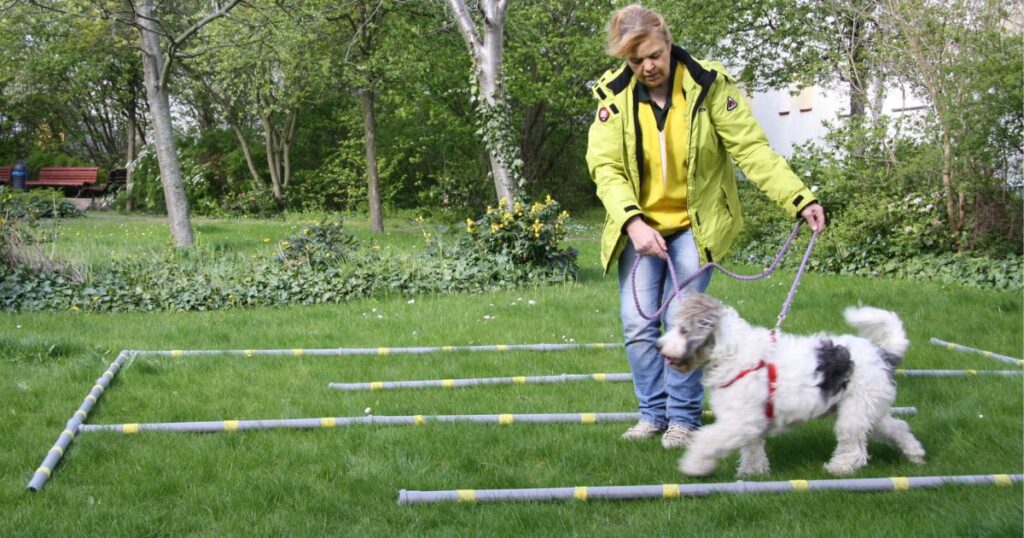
point(603, 114)
point(730, 104)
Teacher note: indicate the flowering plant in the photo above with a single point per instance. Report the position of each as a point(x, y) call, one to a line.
point(525, 232)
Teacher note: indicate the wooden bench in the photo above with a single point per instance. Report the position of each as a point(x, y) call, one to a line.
point(71, 179)
point(66, 177)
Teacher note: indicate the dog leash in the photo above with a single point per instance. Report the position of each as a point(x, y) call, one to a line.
point(677, 287)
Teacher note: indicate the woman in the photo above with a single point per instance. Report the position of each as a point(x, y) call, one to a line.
point(660, 152)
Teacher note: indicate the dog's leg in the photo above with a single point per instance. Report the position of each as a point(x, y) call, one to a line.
point(712, 443)
point(753, 459)
point(853, 424)
point(896, 432)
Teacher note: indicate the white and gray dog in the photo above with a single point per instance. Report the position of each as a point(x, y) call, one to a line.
point(760, 387)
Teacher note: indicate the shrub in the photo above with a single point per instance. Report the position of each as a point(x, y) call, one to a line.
point(321, 264)
point(35, 204)
point(525, 234)
point(321, 245)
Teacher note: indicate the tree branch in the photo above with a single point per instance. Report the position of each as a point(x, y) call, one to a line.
point(467, 27)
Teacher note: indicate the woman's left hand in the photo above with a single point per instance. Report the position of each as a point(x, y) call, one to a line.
point(814, 214)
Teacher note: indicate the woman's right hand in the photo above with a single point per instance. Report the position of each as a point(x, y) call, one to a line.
point(646, 240)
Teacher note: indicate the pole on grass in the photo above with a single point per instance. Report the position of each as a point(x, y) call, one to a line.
point(454, 383)
point(989, 354)
point(670, 491)
point(602, 377)
point(56, 452)
point(407, 420)
point(956, 373)
point(333, 352)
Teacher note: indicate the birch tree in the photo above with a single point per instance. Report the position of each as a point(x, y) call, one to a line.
point(159, 50)
point(485, 42)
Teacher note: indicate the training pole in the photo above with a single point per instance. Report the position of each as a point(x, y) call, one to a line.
point(956, 373)
point(989, 354)
point(671, 491)
point(454, 383)
point(601, 377)
point(335, 352)
point(414, 420)
point(56, 452)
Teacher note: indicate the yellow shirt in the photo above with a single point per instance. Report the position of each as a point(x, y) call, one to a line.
point(663, 185)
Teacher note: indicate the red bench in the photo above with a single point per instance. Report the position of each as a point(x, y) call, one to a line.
point(70, 179)
point(65, 176)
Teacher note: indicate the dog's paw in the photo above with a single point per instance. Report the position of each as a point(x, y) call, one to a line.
point(840, 469)
point(696, 466)
point(752, 470)
point(916, 459)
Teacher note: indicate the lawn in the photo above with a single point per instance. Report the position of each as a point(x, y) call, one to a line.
point(345, 481)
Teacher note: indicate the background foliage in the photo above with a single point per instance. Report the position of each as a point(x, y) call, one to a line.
point(943, 184)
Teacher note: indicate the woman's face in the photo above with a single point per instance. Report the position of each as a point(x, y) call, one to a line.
point(650, 61)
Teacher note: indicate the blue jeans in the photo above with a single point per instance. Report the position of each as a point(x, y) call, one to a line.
point(667, 396)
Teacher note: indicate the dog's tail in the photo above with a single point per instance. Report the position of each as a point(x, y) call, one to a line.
point(882, 328)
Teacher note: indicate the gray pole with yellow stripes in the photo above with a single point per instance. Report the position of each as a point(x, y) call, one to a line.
point(455, 383)
point(55, 453)
point(344, 351)
point(989, 354)
point(384, 420)
point(668, 491)
point(602, 377)
point(331, 422)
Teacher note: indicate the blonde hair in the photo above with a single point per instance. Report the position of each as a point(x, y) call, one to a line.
point(631, 26)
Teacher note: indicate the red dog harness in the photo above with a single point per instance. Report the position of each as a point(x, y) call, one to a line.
point(769, 406)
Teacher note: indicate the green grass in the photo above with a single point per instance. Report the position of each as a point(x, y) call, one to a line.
point(345, 481)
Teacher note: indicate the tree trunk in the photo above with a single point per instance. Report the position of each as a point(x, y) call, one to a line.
point(253, 172)
point(273, 161)
point(366, 99)
point(163, 129)
point(486, 54)
point(953, 212)
point(130, 157)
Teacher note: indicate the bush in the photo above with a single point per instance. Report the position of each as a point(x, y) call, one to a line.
point(321, 245)
point(524, 236)
point(35, 204)
point(321, 264)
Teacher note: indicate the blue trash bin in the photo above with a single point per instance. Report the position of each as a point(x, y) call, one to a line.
point(19, 175)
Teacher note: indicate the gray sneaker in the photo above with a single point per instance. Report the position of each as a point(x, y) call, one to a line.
point(642, 430)
point(676, 436)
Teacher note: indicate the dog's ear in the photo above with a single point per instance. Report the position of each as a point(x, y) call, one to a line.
point(698, 316)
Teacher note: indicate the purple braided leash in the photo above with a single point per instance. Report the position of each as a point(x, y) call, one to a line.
point(677, 287)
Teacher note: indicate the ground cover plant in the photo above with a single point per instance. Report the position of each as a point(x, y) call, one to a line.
point(320, 262)
point(345, 480)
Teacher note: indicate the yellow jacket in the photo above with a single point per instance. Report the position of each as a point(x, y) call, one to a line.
point(722, 128)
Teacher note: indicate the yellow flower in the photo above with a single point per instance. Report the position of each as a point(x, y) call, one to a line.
point(549, 200)
point(266, 239)
point(469, 225)
point(537, 207)
point(74, 308)
point(376, 247)
point(495, 227)
point(490, 210)
point(285, 244)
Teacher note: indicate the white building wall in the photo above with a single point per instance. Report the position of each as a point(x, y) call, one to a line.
point(789, 120)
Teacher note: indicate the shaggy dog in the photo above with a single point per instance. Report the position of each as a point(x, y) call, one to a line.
point(759, 386)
